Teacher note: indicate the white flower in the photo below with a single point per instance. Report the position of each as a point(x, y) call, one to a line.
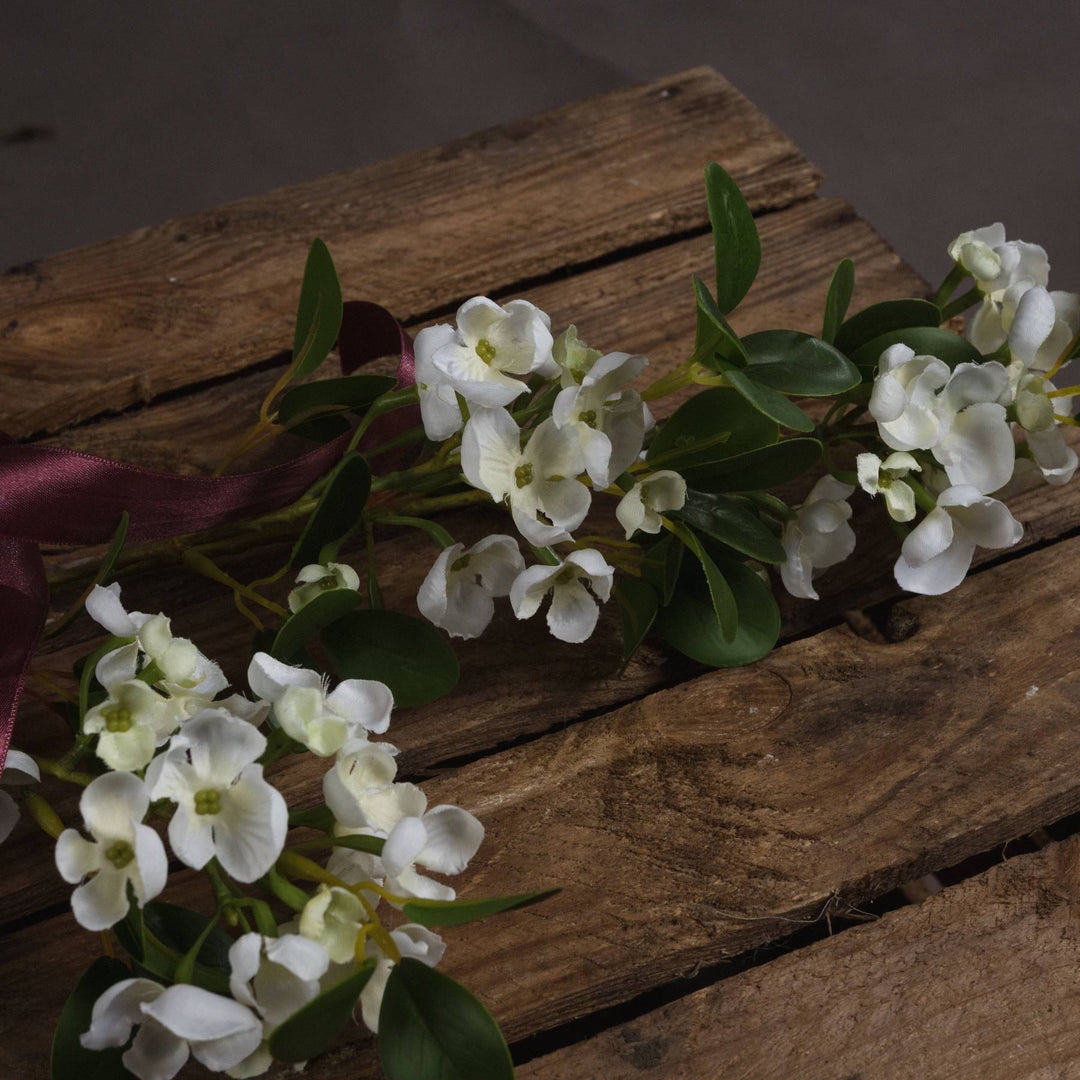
point(641, 507)
point(352, 785)
point(19, 769)
point(609, 420)
point(275, 977)
point(538, 480)
point(493, 343)
point(1044, 324)
point(332, 918)
point(224, 807)
point(442, 839)
point(318, 578)
point(1035, 413)
point(173, 1023)
point(458, 593)
point(818, 537)
point(885, 478)
point(130, 724)
point(574, 611)
point(322, 721)
point(412, 940)
point(439, 408)
point(123, 851)
point(904, 399)
point(975, 442)
point(936, 554)
point(996, 263)
point(353, 866)
point(574, 358)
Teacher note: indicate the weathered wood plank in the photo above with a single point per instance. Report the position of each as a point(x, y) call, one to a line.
point(978, 983)
point(640, 304)
point(702, 820)
point(202, 296)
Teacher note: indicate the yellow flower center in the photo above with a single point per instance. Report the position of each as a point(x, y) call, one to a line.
point(523, 475)
point(485, 350)
point(460, 564)
point(588, 417)
point(208, 801)
point(118, 720)
point(120, 853)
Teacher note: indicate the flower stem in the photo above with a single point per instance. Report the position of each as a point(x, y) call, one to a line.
point(203, 564)
point(961, 303)
point(948, 286)
point(60, 771)
point(437, 533)
point(43, 814)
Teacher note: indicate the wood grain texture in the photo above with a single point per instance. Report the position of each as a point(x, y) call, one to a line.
point(642, 303)
point(978, 983)
point(708, 818)
point(202, 296)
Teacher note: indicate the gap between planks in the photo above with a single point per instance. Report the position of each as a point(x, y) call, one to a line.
point(702, 820)
point(215, 292)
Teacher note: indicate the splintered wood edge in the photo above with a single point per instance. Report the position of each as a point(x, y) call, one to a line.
point(197, 298)
point(977, 983)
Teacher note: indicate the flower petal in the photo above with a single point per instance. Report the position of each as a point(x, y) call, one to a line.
point(453, 838)
point(405, 842)
point(979, 449)
point(221, 746)
point(75, 855)
point(104, 607)
point(249, 832)
point(102, 901)
point(112, 804)
point(117, 1011)
point(491, 451)
point(191, 837)
point(270, 678)
point(573, 614)
point(365, 703)
point(938, 574)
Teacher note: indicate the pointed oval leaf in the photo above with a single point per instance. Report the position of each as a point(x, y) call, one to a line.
point(318, 315)
point(313, 617)
point(432, 1028)
point(837, 299)
point(879, 319)
point(352, 392)
point(735, 238)
point(338, 509)
point(796, 363)
point(459, 912)
point(638, 608)
point(407, 654)
point(723, 599)
point(714, 424)
point(733, 522)
point(713, 335)
point(660, 567)
point(69, 1060)
point(689, 623)
point(925, 340)
point(756, 470)
point(310, 1030)
point(768, 402)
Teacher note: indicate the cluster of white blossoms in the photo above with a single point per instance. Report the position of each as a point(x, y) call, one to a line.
point(957, 433)
point(176, 750)
point(544, 468)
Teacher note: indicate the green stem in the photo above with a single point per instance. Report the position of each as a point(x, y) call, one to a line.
point(948, 286)
point(61, 772)
point(388, 402)
point(435, 503)
point(185, 970)
point(437, 533)
point(961, 303)
point(375, 599)
point(926, 501)
point(204, 565)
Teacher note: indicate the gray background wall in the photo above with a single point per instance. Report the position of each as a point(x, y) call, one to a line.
point(929, 117)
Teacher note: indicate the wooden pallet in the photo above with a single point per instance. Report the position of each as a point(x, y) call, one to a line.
point(694, 819)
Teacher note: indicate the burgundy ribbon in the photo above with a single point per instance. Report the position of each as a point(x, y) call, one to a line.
point(49, 495)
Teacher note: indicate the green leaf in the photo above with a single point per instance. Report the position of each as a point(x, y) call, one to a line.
point(638, 607)
point(407, 654)
point(713, 335)
point(735, 238)
point(769, 403)
point(338, 511)
point(458, 912)
point(69, 1060)
point(797, 363)
point(317, 614)
point(880, 318)
point(373, 845)
point(313, 817)
point(701, 421)
point(733, 522)
point(837, 299)
point(723, 599)
point(689, 623)
point(316, 410)
point(660, 567)
point(432, 1028)
point(756, 470)
point(318, 316)
point(925, 340)
point(310, 1030)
